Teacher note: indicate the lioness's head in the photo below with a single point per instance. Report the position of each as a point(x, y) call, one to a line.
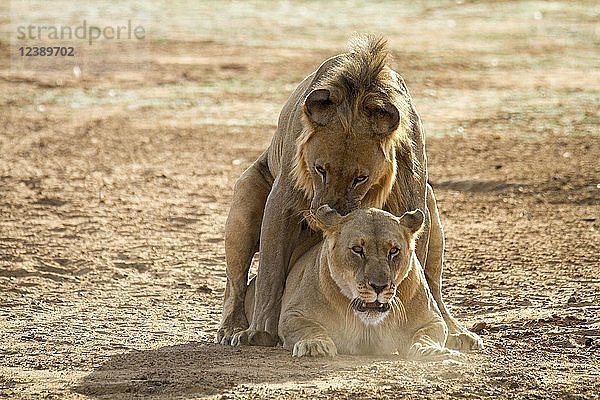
point(354, 121)
point(369, 254)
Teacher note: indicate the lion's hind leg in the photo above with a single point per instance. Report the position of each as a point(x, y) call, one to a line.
point(459, 337)
point(242, 233)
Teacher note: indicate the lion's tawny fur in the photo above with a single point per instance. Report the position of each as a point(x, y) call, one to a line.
point(361, 79)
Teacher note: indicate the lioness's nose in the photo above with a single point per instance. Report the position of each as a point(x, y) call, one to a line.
point(378, 288)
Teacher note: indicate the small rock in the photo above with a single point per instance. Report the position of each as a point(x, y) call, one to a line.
point(204, 289)
point(471, 286)
point(524, 302)
point(478, 327)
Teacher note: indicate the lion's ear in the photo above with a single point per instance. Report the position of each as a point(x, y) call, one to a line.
point(327, 219)
point(413, 220)
point(385, 119)
point(319, 107)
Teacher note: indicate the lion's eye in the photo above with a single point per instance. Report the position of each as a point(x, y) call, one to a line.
point(358, 250)
point(321, 170)
point(394, 252)
point(360, 179)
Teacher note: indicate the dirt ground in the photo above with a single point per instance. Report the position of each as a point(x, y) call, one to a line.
point(115, 185)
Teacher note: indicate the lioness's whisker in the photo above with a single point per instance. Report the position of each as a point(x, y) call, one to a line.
point(397, 305)
point(401, 306)
point(393, 306)
point(348, 309)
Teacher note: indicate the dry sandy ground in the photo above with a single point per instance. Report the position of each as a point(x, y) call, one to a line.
point(115, 185)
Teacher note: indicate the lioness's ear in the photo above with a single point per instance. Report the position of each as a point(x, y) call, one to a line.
point(413, 220)
point(327, 219)
point(319, 107)
point(385, 119)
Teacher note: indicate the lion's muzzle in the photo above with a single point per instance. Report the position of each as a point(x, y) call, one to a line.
point(343, 205)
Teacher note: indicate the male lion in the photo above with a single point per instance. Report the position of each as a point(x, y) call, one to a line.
point(361, 291)
point(348, 136)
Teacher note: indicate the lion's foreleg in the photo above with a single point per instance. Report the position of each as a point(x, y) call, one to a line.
point(279, 232)
point(242, 233)
point(459, 337)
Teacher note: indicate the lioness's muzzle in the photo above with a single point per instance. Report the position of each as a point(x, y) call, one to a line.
point(362, 306)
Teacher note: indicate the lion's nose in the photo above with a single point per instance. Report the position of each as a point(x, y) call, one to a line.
point(378, 288)
point(341, 209)
point(344, 206)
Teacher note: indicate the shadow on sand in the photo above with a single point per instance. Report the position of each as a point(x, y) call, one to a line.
point(201, 368)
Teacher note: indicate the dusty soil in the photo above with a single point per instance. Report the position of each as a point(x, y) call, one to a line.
point(115, 185)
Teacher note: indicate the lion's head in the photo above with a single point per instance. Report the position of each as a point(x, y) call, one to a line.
point(369, 254)
point(354, 121)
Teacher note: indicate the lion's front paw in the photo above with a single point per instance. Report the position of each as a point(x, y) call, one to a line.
point(232, 324)
point(315, 348)
point(226, 333)
point(465, 341)
point(251, 337)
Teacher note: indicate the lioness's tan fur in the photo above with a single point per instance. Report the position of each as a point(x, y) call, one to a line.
point(317, 318)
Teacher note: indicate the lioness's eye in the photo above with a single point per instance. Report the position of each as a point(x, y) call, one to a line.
point(394, 252)
point(358, 250)
point(360, 179)
point(320, 170)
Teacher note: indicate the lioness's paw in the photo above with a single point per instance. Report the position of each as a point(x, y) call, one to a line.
point(250, 337)
point(426, 352)
point(314, 348)
point(465, 341)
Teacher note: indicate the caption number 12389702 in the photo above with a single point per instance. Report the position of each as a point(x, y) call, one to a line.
point(46, 51)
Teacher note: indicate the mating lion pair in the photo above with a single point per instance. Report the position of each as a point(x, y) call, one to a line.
point(348, 142)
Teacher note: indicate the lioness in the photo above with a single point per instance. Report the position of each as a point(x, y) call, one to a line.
point(348, 136)
point(361, 291)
